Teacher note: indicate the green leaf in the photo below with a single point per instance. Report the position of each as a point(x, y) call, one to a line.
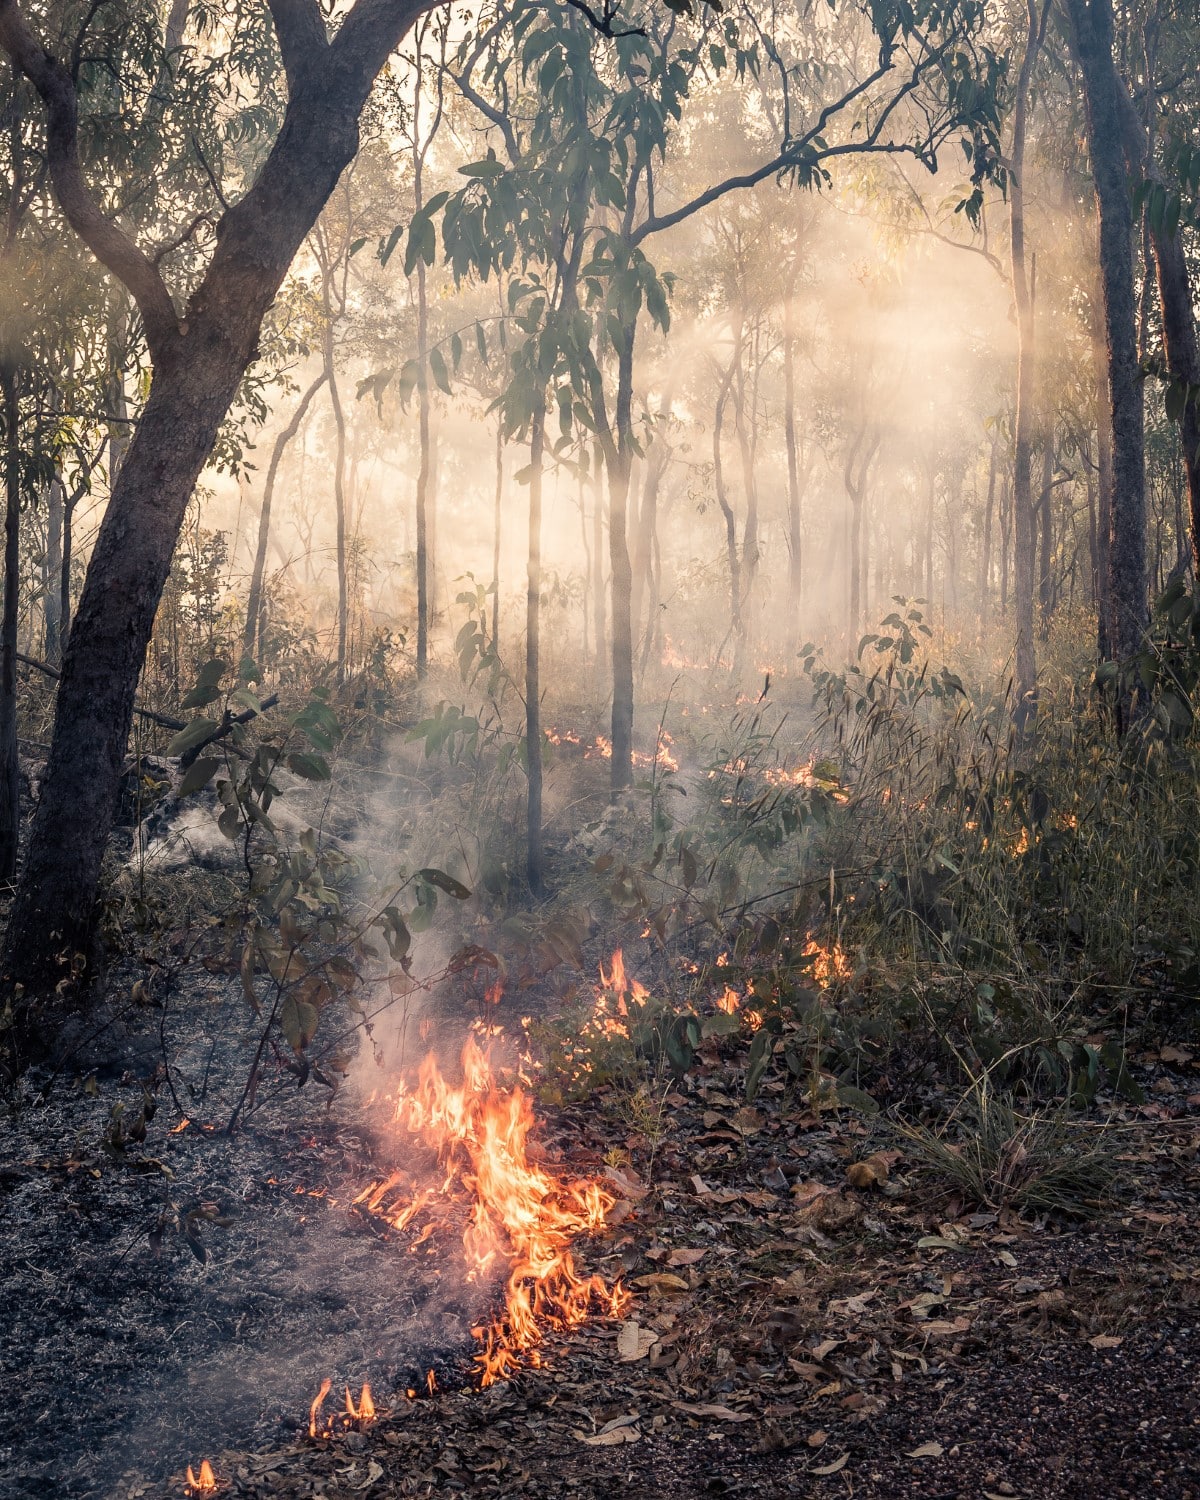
point(437, 366)
point(208, 684)
point(199, 774)
point(196, 733)
point(758, 1062)
point(310, 767)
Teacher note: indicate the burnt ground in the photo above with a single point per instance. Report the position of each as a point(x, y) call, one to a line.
point(795, 1335)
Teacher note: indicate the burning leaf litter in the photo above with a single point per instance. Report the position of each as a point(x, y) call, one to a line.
point(521, 1220)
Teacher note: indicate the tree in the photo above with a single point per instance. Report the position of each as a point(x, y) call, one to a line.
point(1092, 34)
point(200, 352)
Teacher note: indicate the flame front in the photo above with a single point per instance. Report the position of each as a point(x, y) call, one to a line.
point(521, 1217)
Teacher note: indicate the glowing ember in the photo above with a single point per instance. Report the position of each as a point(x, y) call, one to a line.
point(203, 1483)
point(522, 1219)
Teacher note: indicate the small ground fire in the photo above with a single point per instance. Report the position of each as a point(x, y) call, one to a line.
point(521, 1220)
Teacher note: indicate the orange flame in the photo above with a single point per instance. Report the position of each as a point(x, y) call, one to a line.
point(315, 1409)
point(364, 1412)
point(203, 1483)
point(521, 1217)
point(829, 963)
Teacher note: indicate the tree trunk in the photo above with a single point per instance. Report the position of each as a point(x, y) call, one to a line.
point(985, 563)
point(731, 544)
point(339, 495)
point(1045, 578)
point(534, 865)
point(10, 769)
point(497, 519)
point(622, 573)
point(598, 591)
point(1176, 304)
point(1092, 27)
point(795, 541)
point(252, 635)
point(56, 498)
point(1023, 279)
point(199, 359)
point(1104, 481)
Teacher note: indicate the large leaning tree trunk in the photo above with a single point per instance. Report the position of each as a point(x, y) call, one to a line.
point(199, 356)
point(1092, 28)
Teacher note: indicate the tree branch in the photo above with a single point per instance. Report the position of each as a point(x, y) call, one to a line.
point(303, 40)
point(111, 246)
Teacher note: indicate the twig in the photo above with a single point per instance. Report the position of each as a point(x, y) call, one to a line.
point(145, 713)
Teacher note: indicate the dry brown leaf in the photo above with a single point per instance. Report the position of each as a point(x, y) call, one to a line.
point(1106, 1341)
point(927, 1450)
point(711, 1409)
point(685, 1257)
point(634, 1342)
point(661, 1281)
point(834, 1467)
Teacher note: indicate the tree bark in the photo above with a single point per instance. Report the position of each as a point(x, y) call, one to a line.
point(339, 495)
point(497, 521)
point(199, 358)
point(1092, 27)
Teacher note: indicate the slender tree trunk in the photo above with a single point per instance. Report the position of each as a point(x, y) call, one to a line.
point(497, 521)
point(1023, 278)
point(795, 540)
point(339, 496)
point(1005, 544)
point(10, 769)
point(56, 497)
point(1092, 27)
point(598, 589)
point(252, 634)
point(423, 459)
point(622, 573)
point(534, 864)
point(1104, 480)
point(731, 544)
point(985, 563)
point(1046, 576)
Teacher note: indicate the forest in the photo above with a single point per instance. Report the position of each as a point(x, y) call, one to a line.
point(599, 763)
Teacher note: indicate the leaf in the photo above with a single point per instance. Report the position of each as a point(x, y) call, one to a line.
point(196, 733)
point(634, 1342)
point(444, 882)
point(199, 774)
point(310, 767)
point(685, 1257)
point(208, 684)
point(712, 1409)
point(833, 1468)
point(926, 1450)
point(756, 1066)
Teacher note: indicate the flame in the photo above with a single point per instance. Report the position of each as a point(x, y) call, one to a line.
point(522, 1219)
point(358, 1414)
point(829, 964)
point(315, 1409)
point(729, 1001)
point(177, 1130)
point(364, 1412)
point(203, 1483)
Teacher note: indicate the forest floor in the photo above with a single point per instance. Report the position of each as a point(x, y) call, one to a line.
point(795, 1335)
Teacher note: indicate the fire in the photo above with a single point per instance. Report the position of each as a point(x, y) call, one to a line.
point(830, 964)
point(203, 1483)
point(522, 1220)
point(358, 1414)
point(729, 1001)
